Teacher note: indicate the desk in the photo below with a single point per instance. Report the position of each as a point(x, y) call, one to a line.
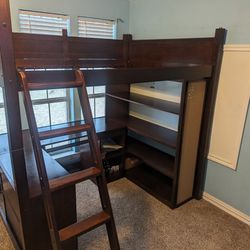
point(64, 200)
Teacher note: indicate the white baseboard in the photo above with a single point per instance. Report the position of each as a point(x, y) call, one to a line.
point(227, 208)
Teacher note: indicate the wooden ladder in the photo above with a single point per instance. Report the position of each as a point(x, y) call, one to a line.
point(48, 186)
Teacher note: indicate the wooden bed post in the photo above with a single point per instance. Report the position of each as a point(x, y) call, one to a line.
point(13, 118)
point(127, 38)
point(211, 91)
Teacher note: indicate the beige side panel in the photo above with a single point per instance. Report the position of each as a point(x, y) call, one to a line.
point(191, 131)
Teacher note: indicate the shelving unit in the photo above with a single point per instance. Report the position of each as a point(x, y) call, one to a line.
point(170, 178)
point(176, 171)
point(154, 158)
point(158, 133)
point(153, 182)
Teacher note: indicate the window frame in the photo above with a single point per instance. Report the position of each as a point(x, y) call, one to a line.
point(94, 96)
point(50, 100)
point(2, 106)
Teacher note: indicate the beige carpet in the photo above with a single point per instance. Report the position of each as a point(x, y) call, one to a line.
point(145, 223)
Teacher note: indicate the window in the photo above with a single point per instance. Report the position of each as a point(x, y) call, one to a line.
point(97, 100)
point(3, 128)
point(96, 28)
point(43, 23)
point(50, 106)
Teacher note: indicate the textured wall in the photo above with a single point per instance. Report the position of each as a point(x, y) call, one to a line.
point(110, 9)
point(180, 18)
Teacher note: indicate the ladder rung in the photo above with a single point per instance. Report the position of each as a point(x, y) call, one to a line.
point(53, 85)
point(63, 131)
point(84, 226)
point(74, 178)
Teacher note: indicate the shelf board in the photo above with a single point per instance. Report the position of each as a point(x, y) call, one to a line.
point(153, 182)
point(160, 134)
point(101, 126)
point(148, 101)
point(154, 158)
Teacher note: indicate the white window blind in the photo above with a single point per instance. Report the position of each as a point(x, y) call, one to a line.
point(43, 23)
point(96, 28)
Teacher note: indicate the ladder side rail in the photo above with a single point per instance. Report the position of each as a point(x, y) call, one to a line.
point(43, 178)
point(101, 180)
point(93, 140)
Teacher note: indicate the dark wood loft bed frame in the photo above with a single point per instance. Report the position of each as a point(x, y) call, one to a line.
point(193, 62)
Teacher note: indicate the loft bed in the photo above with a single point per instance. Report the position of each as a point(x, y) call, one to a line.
point(172, 178)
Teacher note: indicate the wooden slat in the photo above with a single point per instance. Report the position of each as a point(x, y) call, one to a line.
point(158, 53)
point(150, 130)
point(102, 126)
point(73, 62)
point(47, 51)
point(37, 46)
point(63, 131)
point(53, 85)
point(155, 103)
point(95, 48)
point(153, 182)
point(164, 105)
point(32, 45)
point(84, 226)
point(74, 178)
point(154, 158)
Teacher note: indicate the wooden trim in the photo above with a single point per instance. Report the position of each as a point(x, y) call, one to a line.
point(227, 208)
point(222, 161)
point(237, 48)
point(190, 139)
point(184, 93)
